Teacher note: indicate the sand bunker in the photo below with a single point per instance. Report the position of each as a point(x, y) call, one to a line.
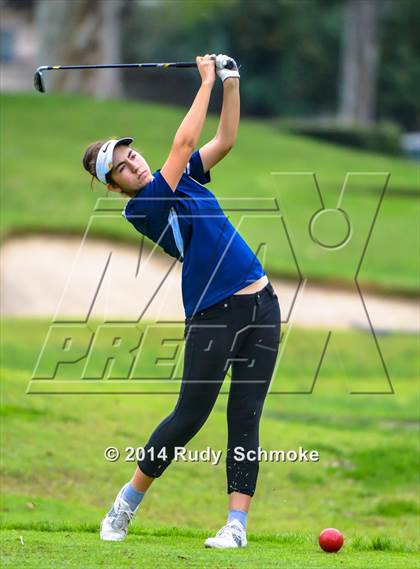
point(52, 276)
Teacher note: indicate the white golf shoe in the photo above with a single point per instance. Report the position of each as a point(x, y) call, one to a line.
point(114, 526)
point(233, 534)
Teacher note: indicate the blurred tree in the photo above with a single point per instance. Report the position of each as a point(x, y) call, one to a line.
point(398, 82)
point(288, 50)
point(299, 58)
point(169, 31)
point(81, 32)
point(289, 53)
point(359, 62)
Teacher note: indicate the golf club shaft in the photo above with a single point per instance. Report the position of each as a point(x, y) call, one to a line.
point(119, 65)
point(40, 86)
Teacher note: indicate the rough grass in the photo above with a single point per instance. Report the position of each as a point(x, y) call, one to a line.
point(44, 187)
point(56, 484)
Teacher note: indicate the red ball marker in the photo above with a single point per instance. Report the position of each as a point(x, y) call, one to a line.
point(331, 540)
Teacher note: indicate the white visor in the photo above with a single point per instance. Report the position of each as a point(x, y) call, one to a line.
point(104, 159)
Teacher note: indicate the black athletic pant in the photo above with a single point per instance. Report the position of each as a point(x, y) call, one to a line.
point(242, 331)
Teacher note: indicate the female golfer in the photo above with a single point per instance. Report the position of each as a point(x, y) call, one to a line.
point(232, 312)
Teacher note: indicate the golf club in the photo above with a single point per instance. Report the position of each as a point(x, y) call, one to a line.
point(40, 85)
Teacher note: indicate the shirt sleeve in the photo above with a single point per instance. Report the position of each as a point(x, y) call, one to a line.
point(195, 169)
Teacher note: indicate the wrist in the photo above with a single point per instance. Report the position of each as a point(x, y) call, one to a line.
point(208, 83)
point(231, 82)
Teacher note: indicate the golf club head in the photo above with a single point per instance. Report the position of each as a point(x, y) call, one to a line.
point(39, 81)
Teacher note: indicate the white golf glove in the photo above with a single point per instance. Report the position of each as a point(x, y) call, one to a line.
point(222, 71)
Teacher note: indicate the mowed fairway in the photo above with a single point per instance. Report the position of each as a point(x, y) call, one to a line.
point(172, 549)
point(57, 485)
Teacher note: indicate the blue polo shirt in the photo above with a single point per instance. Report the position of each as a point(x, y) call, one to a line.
point(190, 225)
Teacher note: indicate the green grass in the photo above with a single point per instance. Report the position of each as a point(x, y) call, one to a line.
point(174, 549)
point(56, 484)
point(44, 187)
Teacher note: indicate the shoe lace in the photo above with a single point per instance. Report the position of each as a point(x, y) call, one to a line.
point(122, 517)
point(226, 531)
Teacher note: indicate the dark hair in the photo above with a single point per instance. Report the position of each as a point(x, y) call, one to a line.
point(89, 161)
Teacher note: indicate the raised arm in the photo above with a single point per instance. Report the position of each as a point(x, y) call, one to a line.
point(189, 131)
point(217, 148)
